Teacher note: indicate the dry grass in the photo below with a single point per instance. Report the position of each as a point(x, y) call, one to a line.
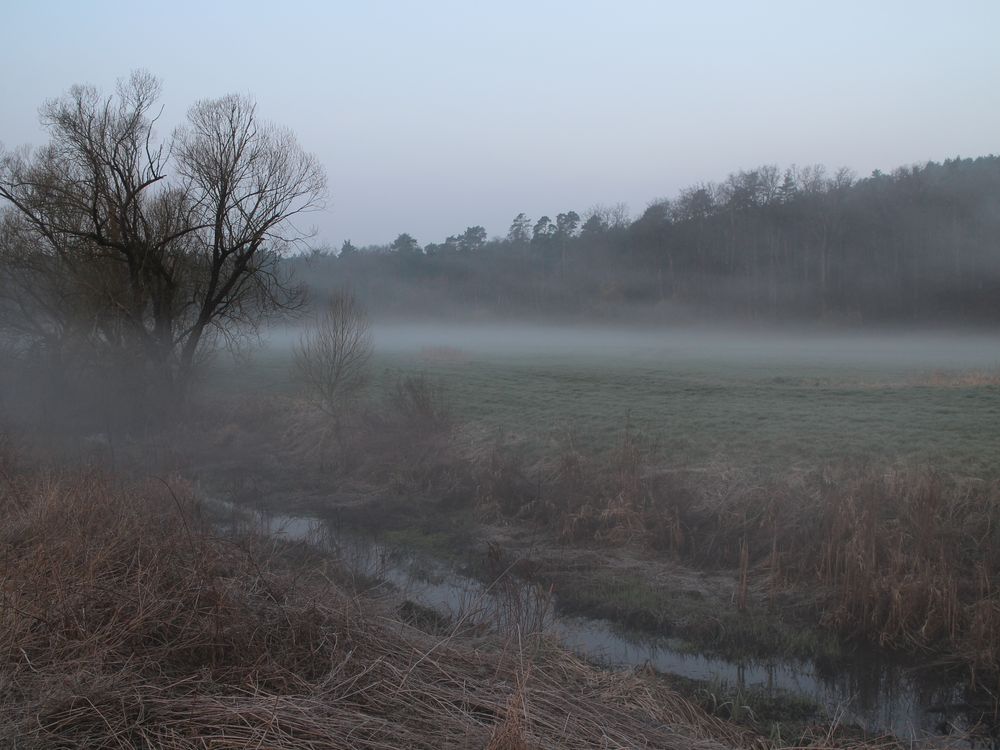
point(899, 557)
point(960, 379)
point(125, 622)
point(403, 442)
point(904, 558)
point(911, 561)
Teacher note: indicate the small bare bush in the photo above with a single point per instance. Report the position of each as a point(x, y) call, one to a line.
point(417, 400)
point(332, 357)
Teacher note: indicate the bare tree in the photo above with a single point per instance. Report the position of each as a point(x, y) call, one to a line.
point(332, 357)
point(246, 181)
point(166, 248)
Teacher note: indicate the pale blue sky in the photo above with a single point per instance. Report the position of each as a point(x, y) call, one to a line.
point(433, 116)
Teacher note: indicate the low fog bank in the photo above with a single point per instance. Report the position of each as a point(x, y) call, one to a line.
point(916, 350)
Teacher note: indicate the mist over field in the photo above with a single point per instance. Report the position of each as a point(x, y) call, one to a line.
point(886, 352)
point(502, 376)
point(949, 350)
point(757, 397)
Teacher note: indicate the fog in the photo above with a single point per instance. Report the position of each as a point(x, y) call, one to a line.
point(912, 350)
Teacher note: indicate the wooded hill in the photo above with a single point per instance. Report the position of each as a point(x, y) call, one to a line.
point(921, 244)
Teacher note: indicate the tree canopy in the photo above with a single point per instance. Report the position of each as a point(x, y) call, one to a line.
point(141, 253)
point(919, 244)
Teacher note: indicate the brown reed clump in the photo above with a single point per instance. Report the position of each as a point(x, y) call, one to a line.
point(911, 559)
point(901, 557)
point(127, 623)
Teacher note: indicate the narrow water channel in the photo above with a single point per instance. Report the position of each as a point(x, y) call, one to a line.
point(919, 705)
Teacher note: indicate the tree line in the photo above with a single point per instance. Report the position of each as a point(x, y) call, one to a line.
point(920, 244)
point(127, 256)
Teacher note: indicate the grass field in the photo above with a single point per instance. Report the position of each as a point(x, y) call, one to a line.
point(776, 401)
point(868, 451)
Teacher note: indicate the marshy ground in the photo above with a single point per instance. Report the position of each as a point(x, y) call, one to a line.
point(760, 496)
point(763, 507)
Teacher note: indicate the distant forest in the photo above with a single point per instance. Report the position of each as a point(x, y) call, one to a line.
point(921, 244)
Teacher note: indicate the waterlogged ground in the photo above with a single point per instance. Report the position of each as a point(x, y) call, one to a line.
point(706, 396)
point(877, 695)
point(713, 399)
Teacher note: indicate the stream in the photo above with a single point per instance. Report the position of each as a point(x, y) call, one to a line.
point(881, 695)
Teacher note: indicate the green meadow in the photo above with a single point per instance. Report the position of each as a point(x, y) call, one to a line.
point(775, 401)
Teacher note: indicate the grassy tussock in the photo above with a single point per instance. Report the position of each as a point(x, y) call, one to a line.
point(125, 622)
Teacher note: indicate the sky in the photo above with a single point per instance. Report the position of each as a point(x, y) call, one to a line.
point(434, 116)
